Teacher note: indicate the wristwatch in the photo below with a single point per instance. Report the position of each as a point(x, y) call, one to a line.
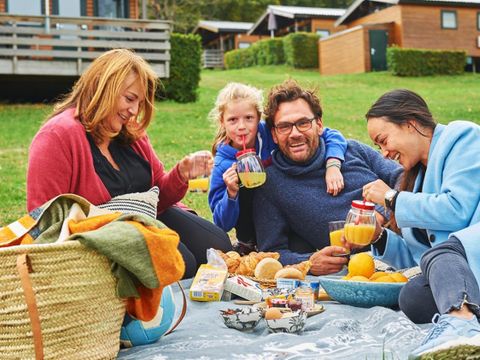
point(390, 198)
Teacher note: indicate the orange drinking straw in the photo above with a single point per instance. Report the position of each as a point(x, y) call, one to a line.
point(244, 145)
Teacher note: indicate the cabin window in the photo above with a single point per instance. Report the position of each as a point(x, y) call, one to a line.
point(449, 19)
point(323, 32)
point(25, 7)
point(478, 21)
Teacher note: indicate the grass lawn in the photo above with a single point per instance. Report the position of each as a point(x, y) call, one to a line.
point(182, 128)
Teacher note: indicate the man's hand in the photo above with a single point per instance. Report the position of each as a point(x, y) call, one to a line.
point(323, 261)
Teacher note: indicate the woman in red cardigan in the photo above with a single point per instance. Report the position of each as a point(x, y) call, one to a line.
point(95, 145)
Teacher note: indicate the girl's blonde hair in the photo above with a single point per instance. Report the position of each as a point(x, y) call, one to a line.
point(233, 92)
point(95, 95)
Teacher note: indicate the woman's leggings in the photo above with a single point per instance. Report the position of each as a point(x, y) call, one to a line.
point(196, 236)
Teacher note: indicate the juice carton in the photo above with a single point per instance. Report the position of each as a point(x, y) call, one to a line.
point(208, 283)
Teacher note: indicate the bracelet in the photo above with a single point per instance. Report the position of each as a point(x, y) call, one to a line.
point(379, 236)
point(334, 164)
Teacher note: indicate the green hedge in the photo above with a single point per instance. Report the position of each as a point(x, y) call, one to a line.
point(269, 52)
point(240, 58)
point(185, 66)
point(301, 50)
point(420, 62)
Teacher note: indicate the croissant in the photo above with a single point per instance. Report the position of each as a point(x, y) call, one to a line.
point(232, 264)
point(233, 255)
point(247, 265)
point(304, 266)
point(263, 255)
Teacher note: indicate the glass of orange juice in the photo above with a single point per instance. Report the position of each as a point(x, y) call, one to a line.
point(336, 229)
point(200, 166)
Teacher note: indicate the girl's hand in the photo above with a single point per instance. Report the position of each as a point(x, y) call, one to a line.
point(334, 177)
point(197, 164)
point(230, 178)
point(375, 192)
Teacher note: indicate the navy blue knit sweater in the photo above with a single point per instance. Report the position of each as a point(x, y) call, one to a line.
point(293, 204)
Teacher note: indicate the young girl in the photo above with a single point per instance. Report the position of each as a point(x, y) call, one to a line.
point(237, 112)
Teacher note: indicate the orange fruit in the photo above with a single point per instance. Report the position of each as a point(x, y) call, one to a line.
point(358, 278)
point(361, 264)
point(347, 277)
point(377, 274)
point(398, 277)
point(384, 278)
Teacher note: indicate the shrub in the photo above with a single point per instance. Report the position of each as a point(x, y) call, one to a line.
point(240, 58)
point(185, 65)
point(269, 52)
point(420, 62)
point(301, 50)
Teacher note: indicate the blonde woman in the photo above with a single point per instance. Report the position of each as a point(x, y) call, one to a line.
point(95, 145)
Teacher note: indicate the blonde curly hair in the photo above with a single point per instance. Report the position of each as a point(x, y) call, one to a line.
point(233, 92)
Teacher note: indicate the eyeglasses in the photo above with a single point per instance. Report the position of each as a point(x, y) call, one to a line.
point(302, 125)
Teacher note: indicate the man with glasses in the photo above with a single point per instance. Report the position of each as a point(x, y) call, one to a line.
point(292, 209)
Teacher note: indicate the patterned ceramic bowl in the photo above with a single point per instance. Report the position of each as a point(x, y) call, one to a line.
point(292, 322)
point(362, 294)
point(241, 319)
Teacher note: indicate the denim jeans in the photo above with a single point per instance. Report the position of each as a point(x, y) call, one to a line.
point(446, 283)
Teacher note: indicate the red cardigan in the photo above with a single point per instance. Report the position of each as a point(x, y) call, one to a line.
point(60, 161)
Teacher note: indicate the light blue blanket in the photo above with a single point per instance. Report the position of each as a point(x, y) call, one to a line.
point(341, 332)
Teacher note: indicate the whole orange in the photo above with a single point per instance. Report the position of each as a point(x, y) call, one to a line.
point(361, 264)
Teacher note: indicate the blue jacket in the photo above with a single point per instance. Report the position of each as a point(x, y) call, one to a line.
point(293, 206)
point(225, 210)
point(470, 238)
point(448, 201)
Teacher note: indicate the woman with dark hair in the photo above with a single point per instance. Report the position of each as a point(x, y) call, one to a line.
point(439, 194)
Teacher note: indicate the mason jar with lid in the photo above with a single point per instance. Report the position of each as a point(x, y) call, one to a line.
point(360, 223)
point(250, 169)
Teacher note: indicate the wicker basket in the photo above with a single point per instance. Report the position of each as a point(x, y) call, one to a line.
point(74, 304)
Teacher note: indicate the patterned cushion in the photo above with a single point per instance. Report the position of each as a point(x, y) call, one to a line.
point(144, 203)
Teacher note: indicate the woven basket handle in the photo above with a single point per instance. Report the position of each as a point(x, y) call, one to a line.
point(184, 310)
point(24, 267)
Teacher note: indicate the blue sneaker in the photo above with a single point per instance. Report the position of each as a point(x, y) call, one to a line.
point(450, 338)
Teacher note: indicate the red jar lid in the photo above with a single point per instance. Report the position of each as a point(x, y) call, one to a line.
point(364, 205)
point(246, 151)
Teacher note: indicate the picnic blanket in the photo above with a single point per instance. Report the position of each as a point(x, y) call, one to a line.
point(341, 332)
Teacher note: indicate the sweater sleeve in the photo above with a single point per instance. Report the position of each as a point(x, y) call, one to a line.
point(50, 168)
point(335, 144)
point(397, 252)
point(272, 230)
point(172, 187)
point(225, 210)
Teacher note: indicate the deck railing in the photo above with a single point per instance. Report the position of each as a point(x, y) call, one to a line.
point(54, 45)
point(212, 58)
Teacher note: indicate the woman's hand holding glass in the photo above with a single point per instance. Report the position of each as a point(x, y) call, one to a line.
point(195, 165)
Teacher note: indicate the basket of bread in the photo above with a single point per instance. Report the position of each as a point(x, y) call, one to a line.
point(263, 267)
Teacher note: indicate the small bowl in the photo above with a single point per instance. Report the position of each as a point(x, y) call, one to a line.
point(291, 322)
point(360, 293)
point(241, 319)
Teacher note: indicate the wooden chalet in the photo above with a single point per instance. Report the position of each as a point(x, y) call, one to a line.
point(280, 20)
point(372, 26)
point(219, 37)
point(43, 52)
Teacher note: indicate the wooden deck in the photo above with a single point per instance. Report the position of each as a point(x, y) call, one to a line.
point(63, 46)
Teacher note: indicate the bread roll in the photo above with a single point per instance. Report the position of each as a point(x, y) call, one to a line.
point(267, 268)
point(289, 273)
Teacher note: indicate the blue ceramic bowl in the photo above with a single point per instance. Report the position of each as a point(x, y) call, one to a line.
point(362, 294)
